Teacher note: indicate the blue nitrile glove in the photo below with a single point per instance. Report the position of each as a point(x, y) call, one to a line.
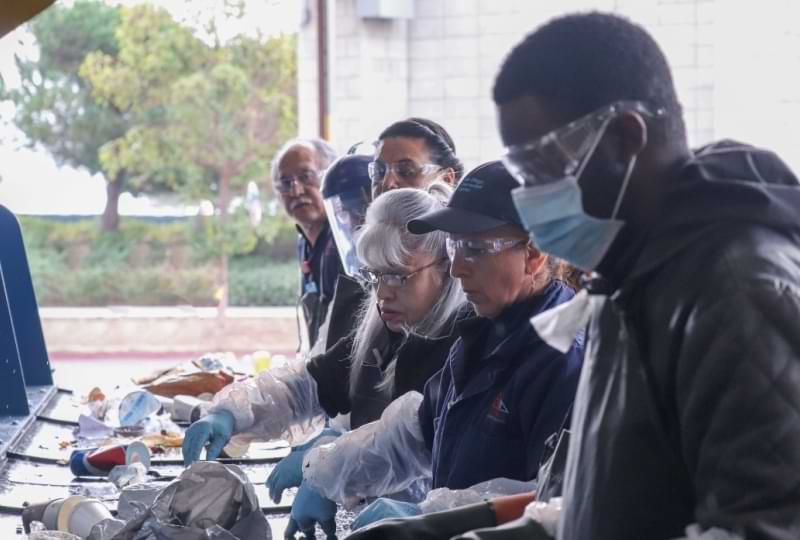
point(289, 472)
point(382, 509)
point(308, 509)
point(213, 431)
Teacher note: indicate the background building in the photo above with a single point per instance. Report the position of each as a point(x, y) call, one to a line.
point(736, 65)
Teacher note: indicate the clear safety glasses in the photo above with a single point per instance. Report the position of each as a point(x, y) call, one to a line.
point(565, 151)
point(472, 250)
point(405, 170)
point(393, 280)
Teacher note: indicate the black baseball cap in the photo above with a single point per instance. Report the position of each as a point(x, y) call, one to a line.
point(481, 201)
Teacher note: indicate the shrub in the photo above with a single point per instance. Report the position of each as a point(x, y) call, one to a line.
point(146, 263)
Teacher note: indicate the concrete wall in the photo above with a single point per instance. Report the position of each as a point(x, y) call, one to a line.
point(194, 331)
point(441, 64)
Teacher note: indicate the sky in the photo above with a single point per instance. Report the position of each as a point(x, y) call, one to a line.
point(32, 183)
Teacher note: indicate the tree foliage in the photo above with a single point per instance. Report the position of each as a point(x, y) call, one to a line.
point(208, 117)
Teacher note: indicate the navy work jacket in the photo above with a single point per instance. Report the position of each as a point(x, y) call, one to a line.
point(502, 392)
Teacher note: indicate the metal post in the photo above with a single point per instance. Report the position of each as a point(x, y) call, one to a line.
point(13, 397)
point(22, 300)
point(323, 69)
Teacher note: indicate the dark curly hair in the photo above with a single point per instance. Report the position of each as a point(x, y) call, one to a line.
point(584, 61)
point(440, 144)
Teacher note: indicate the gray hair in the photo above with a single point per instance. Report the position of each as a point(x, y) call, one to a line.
point(384, 244)
point(324, 152)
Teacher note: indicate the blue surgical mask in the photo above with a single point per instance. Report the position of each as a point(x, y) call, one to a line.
point(554, 216)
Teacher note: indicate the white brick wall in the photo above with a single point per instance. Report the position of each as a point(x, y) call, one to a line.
point(442, 63)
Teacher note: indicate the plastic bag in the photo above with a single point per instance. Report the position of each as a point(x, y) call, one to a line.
point(209, 501)
point(444, 499)
point(279, 403)
point(546, 513)
point(123, 475)
point(379, 458)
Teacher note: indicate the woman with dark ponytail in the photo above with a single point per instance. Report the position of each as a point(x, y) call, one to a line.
point(413, 153)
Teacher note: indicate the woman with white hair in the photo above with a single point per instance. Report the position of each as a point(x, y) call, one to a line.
point(405, 330)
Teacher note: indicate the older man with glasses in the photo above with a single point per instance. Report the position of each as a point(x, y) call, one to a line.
point(296, 176)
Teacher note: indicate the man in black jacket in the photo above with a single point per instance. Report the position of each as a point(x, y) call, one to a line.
point(687, 417)
point(688, 411)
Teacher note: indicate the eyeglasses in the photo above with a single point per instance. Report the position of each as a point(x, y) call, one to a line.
point(564, 152)
point(393, 280)
point(405, 170)
point(306, 178)
point(472, 250)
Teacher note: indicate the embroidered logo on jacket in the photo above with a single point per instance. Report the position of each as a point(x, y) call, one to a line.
point(498, 411)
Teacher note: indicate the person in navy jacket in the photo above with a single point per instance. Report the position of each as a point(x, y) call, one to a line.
point(502, 391)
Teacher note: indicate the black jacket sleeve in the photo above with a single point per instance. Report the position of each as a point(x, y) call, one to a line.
point(738, 404)
point(331, 371)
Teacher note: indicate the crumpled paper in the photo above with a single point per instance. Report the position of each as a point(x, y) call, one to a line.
point(209, 501)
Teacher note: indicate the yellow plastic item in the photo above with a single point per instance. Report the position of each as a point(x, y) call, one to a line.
point(261, 360)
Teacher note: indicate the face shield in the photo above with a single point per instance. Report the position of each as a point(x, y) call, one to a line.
point(346, 213)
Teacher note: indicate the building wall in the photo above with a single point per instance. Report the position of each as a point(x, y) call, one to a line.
point(441, 64)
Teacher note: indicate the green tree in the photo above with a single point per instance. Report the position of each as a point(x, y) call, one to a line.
point(54, 105)
point(211, 113)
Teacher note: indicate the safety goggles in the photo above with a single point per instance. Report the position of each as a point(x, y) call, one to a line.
point(472, 250)
point(306, 178)
point(396, 281)
point(564, 152)
point(405, 170)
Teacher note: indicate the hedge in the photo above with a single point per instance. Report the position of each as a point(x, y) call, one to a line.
point(75, 264)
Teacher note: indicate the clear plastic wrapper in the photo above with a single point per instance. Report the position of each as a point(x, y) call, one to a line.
point(279, 403)
point(445, 499)
point(124, 475)
point(379, 458)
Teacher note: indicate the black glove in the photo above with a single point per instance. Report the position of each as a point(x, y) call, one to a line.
point(523, 528)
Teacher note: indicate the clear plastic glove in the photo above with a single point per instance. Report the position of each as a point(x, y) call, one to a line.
point(384, 508)
point(308, 509)
point(212, 431)
point(289, 472)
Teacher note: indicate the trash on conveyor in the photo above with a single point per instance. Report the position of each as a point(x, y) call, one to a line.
point(100, 461)
point(124, 475)
point(76, 515)
point(106, 529)
point(137, 406)
point(185, 407)
point(208, 501)
point(190, 384)
point(135, 499)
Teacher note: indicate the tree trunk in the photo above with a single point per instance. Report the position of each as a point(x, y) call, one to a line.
point(224, 197)
point(110, 219)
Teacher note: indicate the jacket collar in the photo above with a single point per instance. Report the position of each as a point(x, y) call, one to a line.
point(500, 343)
